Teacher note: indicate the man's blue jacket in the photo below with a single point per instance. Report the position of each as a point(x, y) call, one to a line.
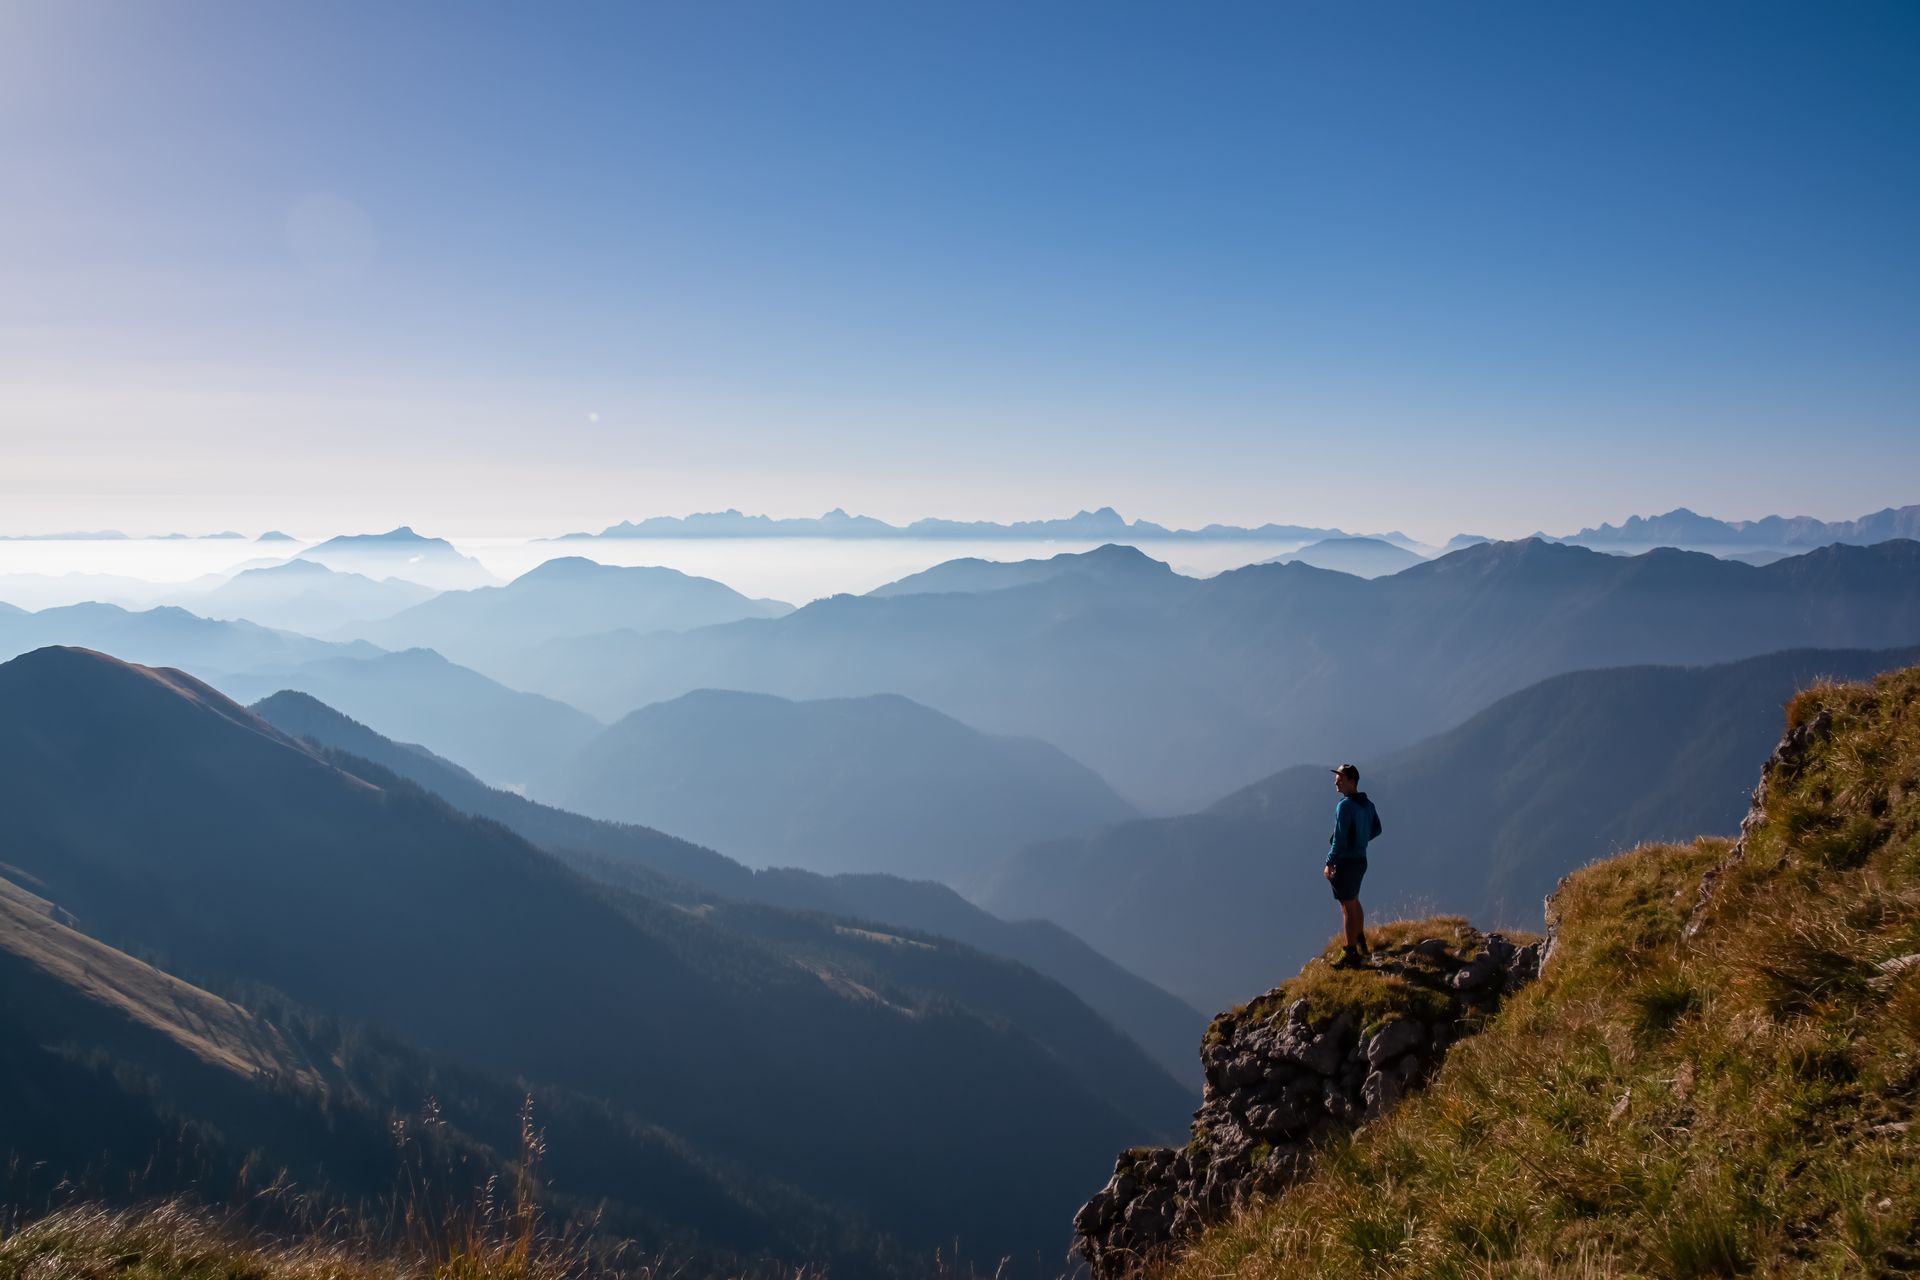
point(1355, 821)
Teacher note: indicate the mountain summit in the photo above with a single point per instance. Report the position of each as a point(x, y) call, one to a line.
point(401, 553)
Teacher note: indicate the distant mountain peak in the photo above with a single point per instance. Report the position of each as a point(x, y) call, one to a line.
point(561, 567)
point(1118, 552)
point(402, 535)
point(291, 568)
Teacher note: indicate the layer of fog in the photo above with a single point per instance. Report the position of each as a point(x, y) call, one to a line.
point(138, 571)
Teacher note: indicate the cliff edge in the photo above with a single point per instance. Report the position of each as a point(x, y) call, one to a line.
point(1715, 1073)
point(1286, 1072)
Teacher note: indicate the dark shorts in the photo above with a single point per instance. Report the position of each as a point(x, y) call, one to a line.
point(1347, 874)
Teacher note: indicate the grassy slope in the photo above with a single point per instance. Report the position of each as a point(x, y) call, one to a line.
point(215, 1031)
point(1733, 1103)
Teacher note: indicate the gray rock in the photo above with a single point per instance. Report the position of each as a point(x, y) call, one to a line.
point(1323, 1056)
point(1525, 966)
point(1475, 974)
point(1393, 1040)
point(1275, 1090)
point(1381, 1091)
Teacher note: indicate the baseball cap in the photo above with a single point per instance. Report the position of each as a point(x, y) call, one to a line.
point(1347, 771)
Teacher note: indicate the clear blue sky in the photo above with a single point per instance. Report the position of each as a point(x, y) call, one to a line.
point(513, 269)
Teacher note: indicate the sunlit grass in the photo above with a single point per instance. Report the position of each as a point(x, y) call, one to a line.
point(432, 1231)
point(1732, 1104)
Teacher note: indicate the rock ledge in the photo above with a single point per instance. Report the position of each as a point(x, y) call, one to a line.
point(1307, 1060)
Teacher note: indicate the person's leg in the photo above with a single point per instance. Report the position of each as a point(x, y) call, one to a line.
point(1350, 922)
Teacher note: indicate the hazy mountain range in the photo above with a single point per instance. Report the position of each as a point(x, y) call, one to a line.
point(681, 871)
point(1174, 689)
point(1680, 528)
point(1683, 528)
point(1677, 528)
point(304, 595)
point(160, 816)
point(876, 783)
point(487, 627)
point(33, 591)
point(114, 535)
point(232, 937)
point(1082, 526)
point(1482, 820)
point(508, 737)
point(165, 634)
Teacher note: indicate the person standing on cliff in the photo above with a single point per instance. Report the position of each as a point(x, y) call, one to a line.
point(1355, 823)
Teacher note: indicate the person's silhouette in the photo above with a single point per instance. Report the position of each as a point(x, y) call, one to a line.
point(1355, 823)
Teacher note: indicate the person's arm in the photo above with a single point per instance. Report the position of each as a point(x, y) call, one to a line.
point(1376, 822)
point(1342, 822)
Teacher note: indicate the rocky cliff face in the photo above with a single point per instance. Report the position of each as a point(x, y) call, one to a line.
point(1307, 1060)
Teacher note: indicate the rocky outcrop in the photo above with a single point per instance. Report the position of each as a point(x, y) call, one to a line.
point(1301, 1063)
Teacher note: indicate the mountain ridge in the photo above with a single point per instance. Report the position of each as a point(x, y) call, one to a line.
point(487, 627)
point(1100, 523)
point(501, 733)
point(142, 803)
point(1175, 689)
point(875, 783)
point(667, 867)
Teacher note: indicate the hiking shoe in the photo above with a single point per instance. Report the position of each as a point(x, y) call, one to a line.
point(1347, 959)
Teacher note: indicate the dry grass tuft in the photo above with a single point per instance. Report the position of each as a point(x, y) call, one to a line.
point(432, 1233)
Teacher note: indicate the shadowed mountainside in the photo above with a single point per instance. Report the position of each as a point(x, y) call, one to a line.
point(171, 820)
point(877, 784)
point(679, 871)
point(123, 1080)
